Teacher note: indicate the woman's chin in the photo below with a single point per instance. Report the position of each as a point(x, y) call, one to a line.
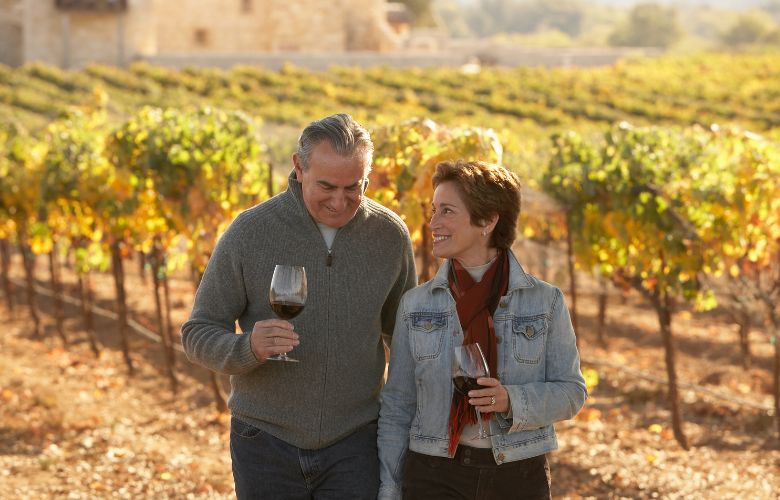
point(439, 254)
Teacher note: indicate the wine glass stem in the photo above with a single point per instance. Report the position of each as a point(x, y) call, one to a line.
point(482, 433)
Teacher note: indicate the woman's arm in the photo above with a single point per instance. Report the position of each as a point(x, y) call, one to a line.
point(563, 392)
point(399, 401)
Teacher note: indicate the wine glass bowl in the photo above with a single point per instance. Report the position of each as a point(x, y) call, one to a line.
point(287, 296)
point(469, 364)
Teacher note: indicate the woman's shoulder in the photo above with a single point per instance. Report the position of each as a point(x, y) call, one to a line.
point(421, 290)
point(428, 295)
point(537, 291)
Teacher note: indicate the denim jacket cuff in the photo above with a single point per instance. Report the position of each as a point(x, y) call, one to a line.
point(504, 418)
point(518, 400)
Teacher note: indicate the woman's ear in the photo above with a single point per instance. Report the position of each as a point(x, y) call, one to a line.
point(490, 223)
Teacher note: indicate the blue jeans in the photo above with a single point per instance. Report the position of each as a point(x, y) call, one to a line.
point(267, 467)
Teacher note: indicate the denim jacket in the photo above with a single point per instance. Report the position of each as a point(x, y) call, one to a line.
point(538, 365)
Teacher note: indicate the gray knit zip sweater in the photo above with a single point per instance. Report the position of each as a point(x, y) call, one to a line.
point(354, 291)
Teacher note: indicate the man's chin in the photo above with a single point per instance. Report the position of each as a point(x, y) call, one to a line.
point(334, 222)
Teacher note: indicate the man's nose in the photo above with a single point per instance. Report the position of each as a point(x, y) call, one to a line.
point(338, 201)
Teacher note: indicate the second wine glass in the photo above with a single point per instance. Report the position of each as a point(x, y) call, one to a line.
point(469, 364)
point(287, 296)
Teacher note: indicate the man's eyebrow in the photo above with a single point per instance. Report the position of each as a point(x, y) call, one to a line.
point(328, 185)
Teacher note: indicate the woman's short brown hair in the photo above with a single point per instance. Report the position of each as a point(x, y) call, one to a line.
point(487, 190)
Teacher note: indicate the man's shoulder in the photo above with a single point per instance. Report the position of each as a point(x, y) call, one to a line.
point(380, 214)
point(259, 215)
point(265, 210)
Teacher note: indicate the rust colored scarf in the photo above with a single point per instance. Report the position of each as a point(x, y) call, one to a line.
point(475, 303)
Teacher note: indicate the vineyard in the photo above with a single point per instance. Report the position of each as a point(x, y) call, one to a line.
point(652, 200)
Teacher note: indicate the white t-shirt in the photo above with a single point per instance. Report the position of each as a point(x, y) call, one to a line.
point(328, 234)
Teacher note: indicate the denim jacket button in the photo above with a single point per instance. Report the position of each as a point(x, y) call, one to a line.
point(498, 340)
point(501, 457)
point(428, 325)
point(503, 304)
point(529, 331)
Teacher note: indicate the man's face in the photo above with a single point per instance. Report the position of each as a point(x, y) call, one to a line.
point(333, 184)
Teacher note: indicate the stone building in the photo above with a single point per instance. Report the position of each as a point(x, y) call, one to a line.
point(74, 33)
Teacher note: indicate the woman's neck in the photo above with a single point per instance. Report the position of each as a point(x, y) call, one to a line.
point(478, 260)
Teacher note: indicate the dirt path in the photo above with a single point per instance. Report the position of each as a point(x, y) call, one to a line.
point(72, 426)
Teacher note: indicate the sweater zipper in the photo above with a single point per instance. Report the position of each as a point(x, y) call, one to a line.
point(329, 259)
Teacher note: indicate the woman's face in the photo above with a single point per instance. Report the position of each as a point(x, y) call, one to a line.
point(454, 236)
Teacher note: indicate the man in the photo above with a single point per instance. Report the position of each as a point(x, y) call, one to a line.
point(306, 429)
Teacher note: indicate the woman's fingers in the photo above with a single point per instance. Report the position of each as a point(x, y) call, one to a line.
point(493, 396)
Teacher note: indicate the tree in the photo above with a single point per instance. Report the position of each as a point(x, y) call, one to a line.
point(453, 18)
point(648, 25)
point(746, 30)
point(421, 10)
point(490, 17)
point(662, 209)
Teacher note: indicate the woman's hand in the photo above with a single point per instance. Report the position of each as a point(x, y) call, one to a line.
point(493, 398)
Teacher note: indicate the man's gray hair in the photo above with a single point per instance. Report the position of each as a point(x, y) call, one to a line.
point(347, 137)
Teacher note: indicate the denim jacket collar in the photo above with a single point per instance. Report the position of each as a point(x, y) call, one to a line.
point(517, 276)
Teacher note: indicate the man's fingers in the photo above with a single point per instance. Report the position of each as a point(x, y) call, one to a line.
point(282, 341)
point(271, 337)
point(273, 323)
point(273, 332)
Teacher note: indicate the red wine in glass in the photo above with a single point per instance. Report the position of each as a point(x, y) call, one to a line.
point(465, 384)
point(287, 296)
point(286, 310)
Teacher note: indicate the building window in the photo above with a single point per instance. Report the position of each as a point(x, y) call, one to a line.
point(201, 37)
point(246, 5)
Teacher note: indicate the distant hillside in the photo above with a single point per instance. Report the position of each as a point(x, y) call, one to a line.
point(719, 4)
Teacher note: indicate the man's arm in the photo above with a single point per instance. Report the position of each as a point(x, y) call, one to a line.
point(407, 279)
point(209, 337)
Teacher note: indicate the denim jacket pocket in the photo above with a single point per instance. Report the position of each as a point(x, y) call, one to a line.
point(427, 333)
point(528, 338)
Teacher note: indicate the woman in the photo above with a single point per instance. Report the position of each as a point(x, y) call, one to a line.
point(428, 440)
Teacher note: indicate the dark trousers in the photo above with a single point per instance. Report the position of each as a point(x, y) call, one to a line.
point(267, 467)
point(474, 475)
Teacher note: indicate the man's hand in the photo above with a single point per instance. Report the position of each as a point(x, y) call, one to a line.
point(271, 337)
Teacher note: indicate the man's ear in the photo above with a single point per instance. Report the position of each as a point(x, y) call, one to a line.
point(298, 167)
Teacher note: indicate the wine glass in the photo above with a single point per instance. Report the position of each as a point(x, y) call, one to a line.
point(287, 296)
point(468, 364)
